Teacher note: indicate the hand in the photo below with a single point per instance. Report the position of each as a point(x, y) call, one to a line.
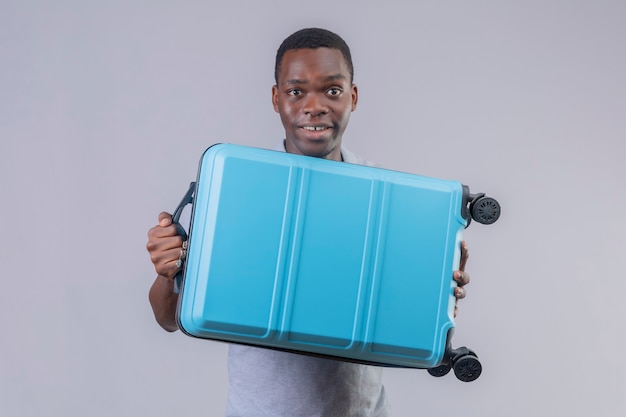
point(164, 245)
point(461, 277)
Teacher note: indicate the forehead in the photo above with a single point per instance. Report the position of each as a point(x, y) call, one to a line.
point(312, 64)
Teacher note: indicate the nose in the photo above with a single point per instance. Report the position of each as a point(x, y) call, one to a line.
point(314, 105)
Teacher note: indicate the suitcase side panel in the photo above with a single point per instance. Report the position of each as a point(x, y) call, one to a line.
point(325, 301)
point(413, 291)
point(236, 234)
point(299, 253)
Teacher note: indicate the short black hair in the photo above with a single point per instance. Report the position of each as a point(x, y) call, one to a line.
point(313, 38)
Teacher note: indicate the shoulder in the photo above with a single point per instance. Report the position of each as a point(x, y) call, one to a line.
point(280, 146)
point(352, 158)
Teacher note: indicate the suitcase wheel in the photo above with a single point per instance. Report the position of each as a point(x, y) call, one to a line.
point(485, 210)
point(467, 368)
point(464, 361)
point(440, 370)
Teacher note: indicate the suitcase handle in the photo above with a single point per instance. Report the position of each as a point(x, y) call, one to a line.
point(187, 199)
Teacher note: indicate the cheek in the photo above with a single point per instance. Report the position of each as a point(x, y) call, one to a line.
point(345, 116)
point(286, 116)
point(287, 112)
point(344, 109)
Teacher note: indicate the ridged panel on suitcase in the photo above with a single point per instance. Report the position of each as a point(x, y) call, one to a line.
point(322, 257)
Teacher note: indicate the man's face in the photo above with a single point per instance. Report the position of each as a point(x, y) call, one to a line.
point(314, 98)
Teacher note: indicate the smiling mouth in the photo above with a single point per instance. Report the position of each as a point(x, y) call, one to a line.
point(315, 128)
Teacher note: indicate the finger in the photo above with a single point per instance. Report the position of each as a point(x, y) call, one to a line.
point(165, 219)
point(168, 271)
point(174, 242)
point(464, 255)
point(174, 266)
point(159, 232)
point(167, 264)
point(162, 239)
point(172, 255)
point(169, 254)
point(460, 293)
point(461, 277)
point(164, 249)
point(165, 227)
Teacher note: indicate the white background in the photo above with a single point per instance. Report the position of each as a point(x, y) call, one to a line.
point(105, 108)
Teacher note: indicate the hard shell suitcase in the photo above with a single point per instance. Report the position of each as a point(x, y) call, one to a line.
point(327, 258)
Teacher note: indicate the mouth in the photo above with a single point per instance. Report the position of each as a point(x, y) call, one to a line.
point(315, 128)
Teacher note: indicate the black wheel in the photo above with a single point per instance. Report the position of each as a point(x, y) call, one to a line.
point(440, 370)
point(467, 368)
point(485, 210)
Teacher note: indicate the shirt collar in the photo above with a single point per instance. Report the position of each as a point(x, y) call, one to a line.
point(346, 154)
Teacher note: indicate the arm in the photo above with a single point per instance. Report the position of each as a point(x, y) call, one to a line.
point(163, 300)
point(164, 246)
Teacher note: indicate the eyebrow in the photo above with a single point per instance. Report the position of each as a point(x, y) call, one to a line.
point(333, 77)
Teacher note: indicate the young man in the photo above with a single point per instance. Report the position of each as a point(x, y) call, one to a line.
point(314, 96)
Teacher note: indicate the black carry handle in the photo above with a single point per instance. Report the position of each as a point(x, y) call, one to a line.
point(187, 199)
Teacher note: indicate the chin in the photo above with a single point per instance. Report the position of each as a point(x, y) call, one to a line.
point(316, 148)
point(318, 151)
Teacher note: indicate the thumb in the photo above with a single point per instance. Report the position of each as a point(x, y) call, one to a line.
point(165, 219)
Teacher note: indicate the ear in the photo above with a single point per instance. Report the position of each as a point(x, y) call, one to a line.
point(275, 97)
point(355, 96)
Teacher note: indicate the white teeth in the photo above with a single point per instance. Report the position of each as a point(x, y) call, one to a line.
point(314, 128)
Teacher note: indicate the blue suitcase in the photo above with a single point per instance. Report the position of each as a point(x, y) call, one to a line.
point(326, 258)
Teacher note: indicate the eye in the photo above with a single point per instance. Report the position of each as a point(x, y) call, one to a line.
point(295, 92)
point(333, 91)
